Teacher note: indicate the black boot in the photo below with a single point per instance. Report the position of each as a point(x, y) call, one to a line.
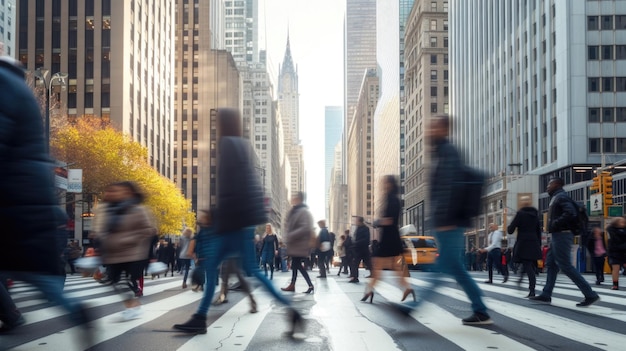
point(296, 321)
point(197, 324)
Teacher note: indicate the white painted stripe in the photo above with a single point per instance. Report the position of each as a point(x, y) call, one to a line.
point(565, 327)
point(449, 326)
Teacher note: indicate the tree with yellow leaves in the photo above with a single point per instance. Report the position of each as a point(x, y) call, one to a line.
point(106, 155)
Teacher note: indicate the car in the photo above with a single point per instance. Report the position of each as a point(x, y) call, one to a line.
point(420, 252)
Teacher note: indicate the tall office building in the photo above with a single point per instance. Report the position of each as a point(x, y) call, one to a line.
point(333, 126)
point(289, 107)
point(426, 89)
point(241, 31)
point(539, 89)
point(360, 157)
point(206, 80)
point(119, 56)
point(7, 28)
point(339, 219)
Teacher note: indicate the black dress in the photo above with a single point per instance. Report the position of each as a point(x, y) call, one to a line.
point(390, 243)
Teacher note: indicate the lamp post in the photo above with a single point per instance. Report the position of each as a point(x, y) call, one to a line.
point(44, 75)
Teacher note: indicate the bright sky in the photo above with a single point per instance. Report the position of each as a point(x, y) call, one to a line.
point(316, 36)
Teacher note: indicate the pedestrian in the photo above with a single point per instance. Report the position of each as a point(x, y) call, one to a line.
point(233, 266)
point(284, 266)
point(269, 249)
point(347, 245)
point(389, 253)
point(597, 247)
point(341, 252)
point(31, 247)
point(324, 245)
point(124, 240)
point(527, 248)
point(198, 246)
point(299, 231)
point(617, 248)
point(184, 254)
point(562, 215)
point(166, 254)
point(360, 249)
point(449, 221)
point(494, 254)
point(331, 253)
point(72, 253)
point(240, 207)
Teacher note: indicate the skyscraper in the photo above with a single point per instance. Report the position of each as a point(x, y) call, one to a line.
point(119, 57)
point(333, 126)
point(7, 28)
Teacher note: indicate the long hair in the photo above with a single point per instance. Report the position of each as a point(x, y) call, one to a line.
point(391, 179)
point(228, 123)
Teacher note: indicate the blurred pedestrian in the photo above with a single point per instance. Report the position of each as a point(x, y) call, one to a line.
point(72, 253)
point(184, 254)
point(124, 241)
point(597, 247)
point(269, 249)
point(299, 231)
point(324, 248)
point(167, 254)
point(240, 207)
point(232, 266)
point(31, 246)
point(341, 252)
point(527, 249)
point(389, 253)
point(360, 249)
point(617, 248)
point(284, 266)
point(561, 216)
point(494, 254)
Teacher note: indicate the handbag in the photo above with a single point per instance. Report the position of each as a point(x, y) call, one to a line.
point(198, 276)
point(325, 246)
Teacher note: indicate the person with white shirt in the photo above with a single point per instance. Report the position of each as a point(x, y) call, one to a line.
point(494, 254)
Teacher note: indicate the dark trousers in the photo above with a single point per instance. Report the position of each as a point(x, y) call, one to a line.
point(494, 260)
point(360, 255)
point(598, 265)
point(528, 267)
point(321, 259)
point(345, 263)
point(183, 265)
point(297, 264)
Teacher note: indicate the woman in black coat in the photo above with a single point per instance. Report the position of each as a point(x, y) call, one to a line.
point(617, 248)
point(527, 249)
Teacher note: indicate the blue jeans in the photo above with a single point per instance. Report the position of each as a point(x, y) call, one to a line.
point(238, 243)
point(184, 264)
point(559, 258)
point(450, 261)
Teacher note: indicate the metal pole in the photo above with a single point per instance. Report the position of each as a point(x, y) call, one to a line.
point(49, 86)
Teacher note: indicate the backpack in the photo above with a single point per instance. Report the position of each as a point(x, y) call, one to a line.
point(579, 225)
point(472, 191)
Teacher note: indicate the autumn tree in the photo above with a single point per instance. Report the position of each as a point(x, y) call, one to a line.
point(106, 155)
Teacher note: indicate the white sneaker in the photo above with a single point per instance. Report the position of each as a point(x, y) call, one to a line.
point(132, 313)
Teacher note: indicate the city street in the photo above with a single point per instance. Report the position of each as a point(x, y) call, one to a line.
point(336, 319)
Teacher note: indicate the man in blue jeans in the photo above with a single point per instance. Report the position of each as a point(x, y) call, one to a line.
point(449, 222)
point(561, 215)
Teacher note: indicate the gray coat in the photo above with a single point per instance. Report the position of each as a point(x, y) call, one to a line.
point(299, 232)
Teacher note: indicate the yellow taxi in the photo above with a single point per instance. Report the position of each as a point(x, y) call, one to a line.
point(420, 252)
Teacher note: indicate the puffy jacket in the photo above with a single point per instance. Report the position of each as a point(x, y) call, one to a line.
point(562, 212)
point(240, 200)
point(28, 204)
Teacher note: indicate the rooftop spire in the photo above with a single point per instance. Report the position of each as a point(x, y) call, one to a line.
point(288, 60)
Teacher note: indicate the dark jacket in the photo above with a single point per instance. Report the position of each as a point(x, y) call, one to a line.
point(361, 240)
point(561, 213)
point(390, 243)
point(28, 220)
point(528, 243)
point(617, 243)
point(446, 183)
point(240, 200)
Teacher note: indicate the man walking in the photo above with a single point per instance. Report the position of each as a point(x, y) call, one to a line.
point(561, 215)
point(323, 247)
point(494, 253)
point(360, 249)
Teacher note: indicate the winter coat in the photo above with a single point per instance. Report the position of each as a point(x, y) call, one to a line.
point(240, 201)
point(528, 242)
point(562, 212)
point(299, 230)
point(617, 243)
point(28, 215)
point(130, 239)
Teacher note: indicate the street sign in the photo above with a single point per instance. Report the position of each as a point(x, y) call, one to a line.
point(595, 204)
point(616, 211)
point(75, 181)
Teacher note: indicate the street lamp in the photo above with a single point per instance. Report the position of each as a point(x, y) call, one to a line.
point(43, 74)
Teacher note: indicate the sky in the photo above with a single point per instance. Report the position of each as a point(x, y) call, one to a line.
point(316, 36)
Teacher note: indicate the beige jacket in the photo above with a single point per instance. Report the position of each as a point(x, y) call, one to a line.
point(130, 242)
point(299, 233)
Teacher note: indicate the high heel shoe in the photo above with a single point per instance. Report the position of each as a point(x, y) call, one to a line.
point(369, 295)
point(309, 291)
point(406, 294)
point(290, 287)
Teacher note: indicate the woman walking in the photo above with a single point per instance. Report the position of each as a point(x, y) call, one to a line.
point(389, 253)
point(269, 250)
point(527, 249)
point(597, 247)
point(617, 248)
point(299, 233)
point(124, 238)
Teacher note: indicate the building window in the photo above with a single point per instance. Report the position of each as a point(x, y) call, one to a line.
point(593, 52)
point(593, 84)
point(607, 22)
point(620, 52)
point(594, 145)
point(433, 91)
point(607, 52)
point(433, 6)
point(593, 115)
point(607, 84)
point(433, 107)
point(620, 114)
point(433, 74)
point(620, 84)
point(608, 145)
point(620, 22)
point(433, 42)
point(433, 59)
point(592, 23)
point(445, 24)
point(445, 91)
point(445, 6)
point(445, 42)
point(433, 24)
point(445, 74)
point(620, 145)
point(445, 58)
point(607, 115)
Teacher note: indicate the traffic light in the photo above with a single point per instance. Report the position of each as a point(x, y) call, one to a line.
point(607, 190)
point(596, 186)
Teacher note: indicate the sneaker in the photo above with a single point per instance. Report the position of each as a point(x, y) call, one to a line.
point(477, 319)
point(588, 301)
point(132, 313)
point(541, 298)
point(10, 326)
